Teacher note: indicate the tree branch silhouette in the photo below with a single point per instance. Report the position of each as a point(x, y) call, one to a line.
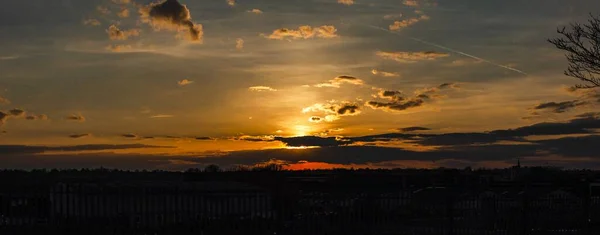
point(581, 42)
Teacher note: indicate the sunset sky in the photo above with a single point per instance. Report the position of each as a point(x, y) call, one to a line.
point(136, 84)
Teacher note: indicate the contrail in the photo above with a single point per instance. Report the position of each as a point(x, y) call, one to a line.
point(448, 49)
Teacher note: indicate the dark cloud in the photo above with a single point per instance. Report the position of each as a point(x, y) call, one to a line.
point(204, 138)
point(265, 138)
point(398, 102)
point(172, 15)
point(413, 128)
point(348, 109)
point(333, 111)
point(129, 136)
point(396, 106)
point(78, 136)
point(3, 117)
point(315, 119)
point(339, 80)
point(27, 149)
point(16, 112)
point(305, 141)
point(37, 117)
point(560, 107)
point(75, 117)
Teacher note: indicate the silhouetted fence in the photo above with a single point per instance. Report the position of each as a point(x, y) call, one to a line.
point(229, 208)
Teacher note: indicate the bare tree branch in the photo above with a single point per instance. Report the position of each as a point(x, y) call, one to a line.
point(581, 44)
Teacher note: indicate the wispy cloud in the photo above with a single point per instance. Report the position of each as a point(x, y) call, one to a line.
point(346, 2)
point(79, 136)
point(114, 33)
point(255, 11)
point(91, 22)
point(411, 57)
point(384, 73)
point(162, 116)
point(75, 117)
point(339, 80)
point(261, 88)
point(184, 82)
point(239, 43)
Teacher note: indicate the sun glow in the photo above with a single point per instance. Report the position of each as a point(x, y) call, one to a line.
point(301, 130)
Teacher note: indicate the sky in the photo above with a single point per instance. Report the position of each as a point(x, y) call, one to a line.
point(137, 84)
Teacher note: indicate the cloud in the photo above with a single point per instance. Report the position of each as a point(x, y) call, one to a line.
point(162, 116)
point(392, 16)
point(27, 149)
point(400, 24)
point(261, 88)
point(559, 107)
point(103, 10)
point(124, 13)
point(411, 3)
point(333, 111)
point(385, 74)
point(256, 11)
point(263, 138)
point(304, 32)
point(339, 80)
point(119, 48)
point(184, 82)
point(413, 128)
point(346, 2)
point(92, 22)
point(37, 117)
point(4, 100)
point(239, 44)
point(204, 138)
point(130, 136)
point(315, 119)
point(464, 62)
point(75, 117)
point(348, 109)
point(398, 102)
point(231, 3)
point(114, 33)
point(311, 141)
point(172, 15)
point(79, 136)
point(16, 112)
point(3, 117)
point(396, 105)
point(121, 2)
point(411, 57)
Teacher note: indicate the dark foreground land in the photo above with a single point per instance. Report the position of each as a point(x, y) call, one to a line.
point(489, 202)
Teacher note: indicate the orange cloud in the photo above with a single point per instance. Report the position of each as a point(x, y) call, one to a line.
point(304, 32)
point(114, 33)
point(261, 88)
point(346, 2)
point(397, 25)
point(256, 11)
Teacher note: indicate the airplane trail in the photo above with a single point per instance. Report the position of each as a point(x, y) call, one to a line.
point(448, 49)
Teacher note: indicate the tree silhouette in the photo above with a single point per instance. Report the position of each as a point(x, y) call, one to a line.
point(212, 168)
point(581, 42)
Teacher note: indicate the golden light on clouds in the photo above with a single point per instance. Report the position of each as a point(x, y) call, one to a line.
point(346, 2)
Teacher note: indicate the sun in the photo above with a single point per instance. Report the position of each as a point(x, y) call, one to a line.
point(301, 130)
